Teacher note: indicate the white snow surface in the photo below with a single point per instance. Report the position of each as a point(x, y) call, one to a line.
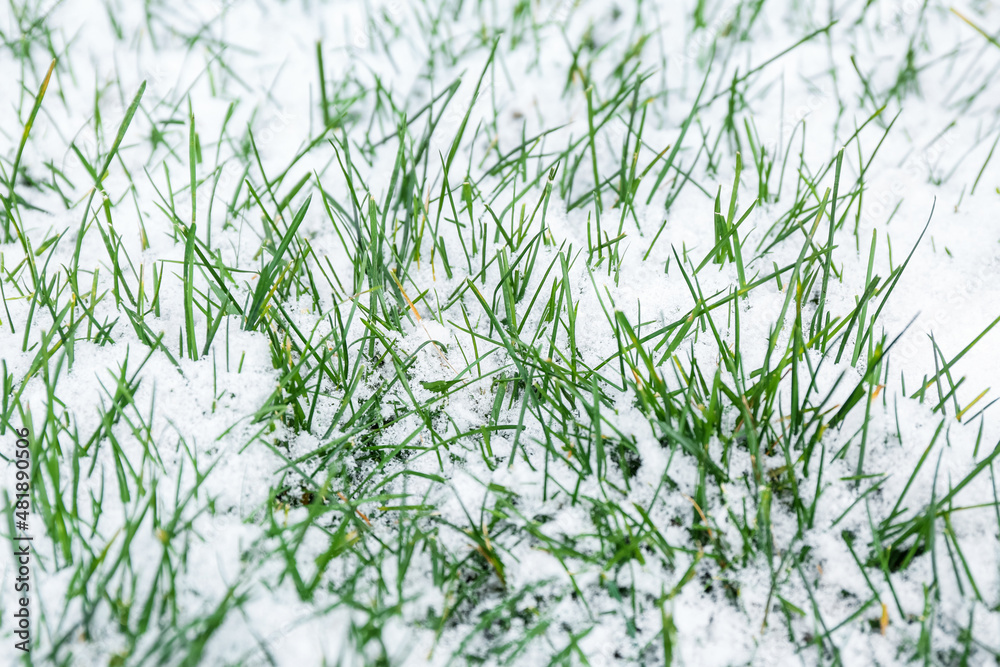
point(201, 413)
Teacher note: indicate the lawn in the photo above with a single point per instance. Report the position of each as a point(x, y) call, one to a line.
point(466, 332)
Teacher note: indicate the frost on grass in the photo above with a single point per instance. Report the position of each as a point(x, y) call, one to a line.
point(577, 333)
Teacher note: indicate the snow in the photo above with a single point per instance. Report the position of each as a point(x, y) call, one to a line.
point(201, 415)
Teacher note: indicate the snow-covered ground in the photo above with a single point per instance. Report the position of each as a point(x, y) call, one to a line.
point(576, 332)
